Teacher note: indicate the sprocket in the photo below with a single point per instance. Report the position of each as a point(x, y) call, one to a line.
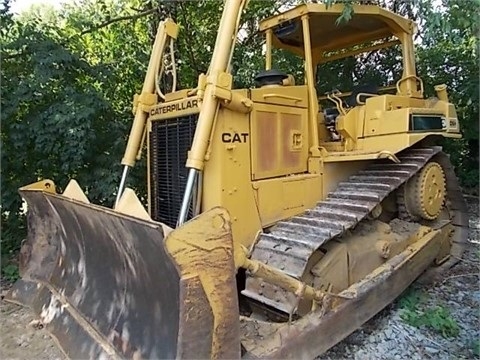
point(425, 193)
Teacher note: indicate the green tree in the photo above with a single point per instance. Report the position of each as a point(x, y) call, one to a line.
point(448, 54)
point(68, 81)
point(57, 122)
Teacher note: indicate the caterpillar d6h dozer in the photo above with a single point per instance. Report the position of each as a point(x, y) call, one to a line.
point(278, 221)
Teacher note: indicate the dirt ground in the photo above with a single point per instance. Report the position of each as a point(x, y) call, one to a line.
point(22, 337)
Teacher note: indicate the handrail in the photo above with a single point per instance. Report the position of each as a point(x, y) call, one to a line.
point(409, 77)
point(357, 99)
point(282, 96)
point(348, 93)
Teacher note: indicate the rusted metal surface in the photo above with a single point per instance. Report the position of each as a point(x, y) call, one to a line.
point(203, 247)
point(101, 269)
point(105, 285)
point(267, 143)
point(23, 292)
point(202, 316)
point(316, 332)
point(292, 242)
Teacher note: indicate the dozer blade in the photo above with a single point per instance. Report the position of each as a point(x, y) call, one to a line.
point(109, 285)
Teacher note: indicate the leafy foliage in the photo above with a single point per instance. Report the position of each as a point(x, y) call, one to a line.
point(476, 347)
point(10, 273)
point(58, 118)
point(411, 299)
point(449, 54)
point(437, 318)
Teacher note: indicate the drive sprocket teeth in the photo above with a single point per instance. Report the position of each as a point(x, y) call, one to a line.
point(425, 193)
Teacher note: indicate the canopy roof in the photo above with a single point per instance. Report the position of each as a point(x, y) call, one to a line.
point(368, 23)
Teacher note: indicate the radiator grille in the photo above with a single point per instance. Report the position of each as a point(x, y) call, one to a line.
point(170, 140)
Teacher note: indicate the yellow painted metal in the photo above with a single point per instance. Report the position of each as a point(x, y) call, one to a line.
point(407, 85)
point(310, 80)
point(281, 198)
point(295, 96)
point(266, 155)
point(268, 50)
point(357, 50)
point(142, 103)
point(130, 204)
point(425, 193)
point(279, 167)
point(279, 278)
point(335, 172)
point(441, 91)
point(348, 93)
point(204, 248)
point(44, 185)
point(74, 191)
point(238, 103)
point(175, 108)
point(349, 260)
point(216, 79)
point(381, 21)
point(279, 140)
point(227, 176)
point(380, 25)
point(433, 190)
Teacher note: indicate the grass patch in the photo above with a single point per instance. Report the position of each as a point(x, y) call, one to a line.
point(10, 272)
point(476, 347)
point(437, 318)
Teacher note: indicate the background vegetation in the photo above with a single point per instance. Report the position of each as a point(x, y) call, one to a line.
point(68, 77)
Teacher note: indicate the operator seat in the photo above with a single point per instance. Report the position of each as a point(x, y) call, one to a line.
point(270, 77)
point(351, 101)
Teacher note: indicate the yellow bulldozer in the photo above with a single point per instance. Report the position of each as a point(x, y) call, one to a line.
point(278, 221)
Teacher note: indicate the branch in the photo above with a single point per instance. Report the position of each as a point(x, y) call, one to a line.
point(253, 34)
point(458, 276)
point(465, 260)
point(189, 47)
point(121, 18)
point(12, 56)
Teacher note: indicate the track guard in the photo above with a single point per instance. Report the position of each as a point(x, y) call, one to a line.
point(108, 285)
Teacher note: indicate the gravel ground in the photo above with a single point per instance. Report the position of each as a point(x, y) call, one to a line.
point(386, 336)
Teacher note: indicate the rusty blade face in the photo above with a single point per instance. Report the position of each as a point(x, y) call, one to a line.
point(106, 287)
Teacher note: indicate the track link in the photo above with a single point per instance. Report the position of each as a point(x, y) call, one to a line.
point(292, 242)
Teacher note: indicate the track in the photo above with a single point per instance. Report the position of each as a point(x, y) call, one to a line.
point(293, 242)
